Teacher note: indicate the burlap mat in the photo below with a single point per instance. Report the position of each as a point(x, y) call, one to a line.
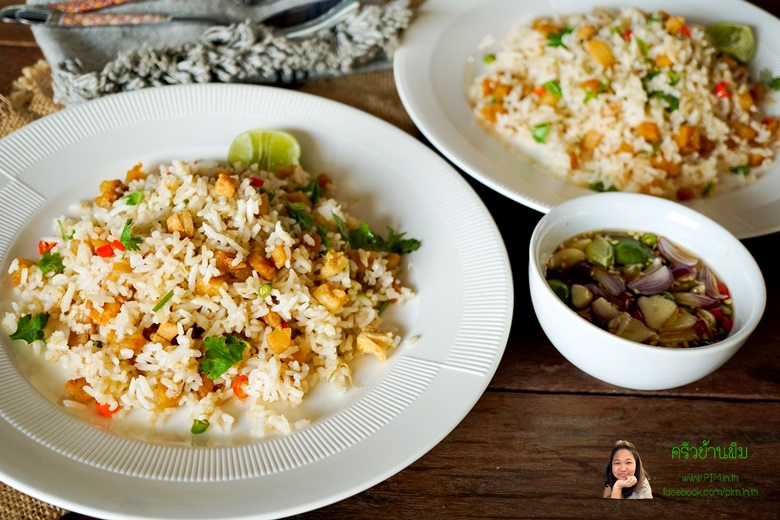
point(31, 99)
point(17, 506)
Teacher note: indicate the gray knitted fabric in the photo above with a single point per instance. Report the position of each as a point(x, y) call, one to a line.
point(91, 62)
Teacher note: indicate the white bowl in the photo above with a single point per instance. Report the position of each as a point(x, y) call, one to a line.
point(623, 362)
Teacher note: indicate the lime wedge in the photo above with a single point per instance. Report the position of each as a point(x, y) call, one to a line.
point(269, 149)
point(734, 39)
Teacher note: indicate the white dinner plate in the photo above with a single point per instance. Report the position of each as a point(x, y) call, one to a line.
point(397, 410)
point(441, 52)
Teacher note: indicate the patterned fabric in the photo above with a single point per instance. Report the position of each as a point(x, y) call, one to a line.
point(642, 491)
point(88, 63)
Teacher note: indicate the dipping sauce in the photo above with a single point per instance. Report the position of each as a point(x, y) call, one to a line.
point(641, 287)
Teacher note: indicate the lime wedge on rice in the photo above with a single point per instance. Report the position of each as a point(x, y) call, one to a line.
point(734, 39)
point(269, 149)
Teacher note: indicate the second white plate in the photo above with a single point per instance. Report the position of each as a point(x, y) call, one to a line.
point(432, 67)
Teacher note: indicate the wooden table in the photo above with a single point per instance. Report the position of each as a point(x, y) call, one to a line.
point(537, 442)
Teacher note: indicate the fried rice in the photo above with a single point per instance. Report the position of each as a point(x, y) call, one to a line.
point(200, 285)
point(629, 101)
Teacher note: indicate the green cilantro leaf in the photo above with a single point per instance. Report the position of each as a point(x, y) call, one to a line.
point(323, 233)
point(220, 354)
point(268, 192)
point(396, 243)
point(342, 227)
point(314, 191)
point(772, 82)
point(130, 242)
point(488, 58)
point(301, 216)
point(62, 231)
point(672, 102)
point(135, 198)
point(364, 238)
point(51, 261)
point(30, 328)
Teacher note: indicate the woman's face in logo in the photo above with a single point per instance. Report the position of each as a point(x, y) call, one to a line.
point(623, 464)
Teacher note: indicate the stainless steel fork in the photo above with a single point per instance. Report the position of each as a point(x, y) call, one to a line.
point(80, 14)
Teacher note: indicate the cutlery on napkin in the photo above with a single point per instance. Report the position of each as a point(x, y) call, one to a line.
point(92, 61)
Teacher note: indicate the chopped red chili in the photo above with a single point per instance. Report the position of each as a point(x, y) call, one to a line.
point(105, 251)
point(722, 90)
point(44, 246)
point(105, 409)
point(726, 323)
point(701, 328)
point(238, 382)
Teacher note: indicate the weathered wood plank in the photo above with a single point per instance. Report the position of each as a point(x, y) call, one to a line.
point(12, 61)
point(530, 455)
point(12, 34)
